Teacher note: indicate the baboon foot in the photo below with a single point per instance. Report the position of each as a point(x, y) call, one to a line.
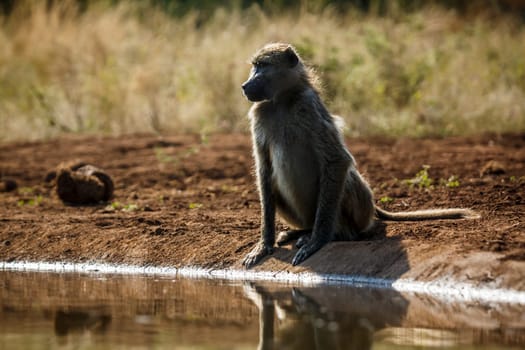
point(258, 252)
point(302, 241)
point(286, 237)
point(306, 251)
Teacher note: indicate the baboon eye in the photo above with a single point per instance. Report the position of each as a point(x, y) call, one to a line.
point(261, 64)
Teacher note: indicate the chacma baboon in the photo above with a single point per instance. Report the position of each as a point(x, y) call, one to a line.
point(304, 170)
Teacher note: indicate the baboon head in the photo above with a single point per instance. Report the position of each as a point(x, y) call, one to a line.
point(276, 68)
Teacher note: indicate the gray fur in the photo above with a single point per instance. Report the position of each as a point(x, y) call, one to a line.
point(304, 170)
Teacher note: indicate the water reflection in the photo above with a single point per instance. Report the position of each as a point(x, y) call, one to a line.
point(80, 321)
point(47, 310)
point(329, 318)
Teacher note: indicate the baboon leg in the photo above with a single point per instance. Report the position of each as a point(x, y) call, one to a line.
point(357, 209)
point(286, 237)
point(331, 192)
point(348, 235)
point(288, 214)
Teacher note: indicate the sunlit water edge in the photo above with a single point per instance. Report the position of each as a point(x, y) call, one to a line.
point(449, 289)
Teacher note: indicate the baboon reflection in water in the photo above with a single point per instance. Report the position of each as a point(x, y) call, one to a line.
point(299, 319)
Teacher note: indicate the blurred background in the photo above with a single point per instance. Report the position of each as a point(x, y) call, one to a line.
point(389, 68)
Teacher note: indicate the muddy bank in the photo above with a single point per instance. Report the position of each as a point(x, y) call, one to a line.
point(181, 201)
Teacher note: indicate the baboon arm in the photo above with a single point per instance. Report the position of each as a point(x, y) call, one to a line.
point(264, 179)
point(330, 194)
point(264, 182)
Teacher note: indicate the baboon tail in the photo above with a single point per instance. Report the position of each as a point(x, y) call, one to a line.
point(429, 214)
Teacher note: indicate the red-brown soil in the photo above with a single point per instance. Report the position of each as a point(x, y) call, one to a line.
point(179, 201)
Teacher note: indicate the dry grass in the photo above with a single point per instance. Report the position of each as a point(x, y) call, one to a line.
point(112, 71)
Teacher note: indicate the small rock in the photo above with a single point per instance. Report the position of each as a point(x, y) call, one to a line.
point(8, 185)
point(81, 183)
point(159, 231)
point(492, 167)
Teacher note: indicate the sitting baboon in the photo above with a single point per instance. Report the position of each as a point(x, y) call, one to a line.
point(304, 170)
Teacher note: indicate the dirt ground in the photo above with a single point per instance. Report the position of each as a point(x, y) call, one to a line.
point(184, 201)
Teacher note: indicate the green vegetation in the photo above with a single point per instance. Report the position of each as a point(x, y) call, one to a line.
point(134, 67)
point(385, 199)
point(517, 179)
point(117, 206)
point(194, 205)
point(30, 198)
point(37, 200)
point(421, 180)
point(452, 182)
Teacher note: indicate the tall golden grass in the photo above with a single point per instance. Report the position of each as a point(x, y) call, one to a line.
point(124, 69)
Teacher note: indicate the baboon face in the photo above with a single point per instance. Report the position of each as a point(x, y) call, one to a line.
point(273, 71)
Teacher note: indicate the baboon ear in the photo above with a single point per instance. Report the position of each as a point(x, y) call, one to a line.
point(291, 56)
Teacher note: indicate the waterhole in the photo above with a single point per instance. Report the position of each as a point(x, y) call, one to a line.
point(41, 310)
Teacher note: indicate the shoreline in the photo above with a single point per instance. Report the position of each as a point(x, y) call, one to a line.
point(448, 289)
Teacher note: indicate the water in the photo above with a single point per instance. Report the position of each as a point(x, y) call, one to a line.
point(102, 311)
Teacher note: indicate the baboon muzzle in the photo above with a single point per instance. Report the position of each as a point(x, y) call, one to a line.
point(253, 89)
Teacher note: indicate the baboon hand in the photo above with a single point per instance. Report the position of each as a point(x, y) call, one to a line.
point(258, 252)
point(305, 251)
